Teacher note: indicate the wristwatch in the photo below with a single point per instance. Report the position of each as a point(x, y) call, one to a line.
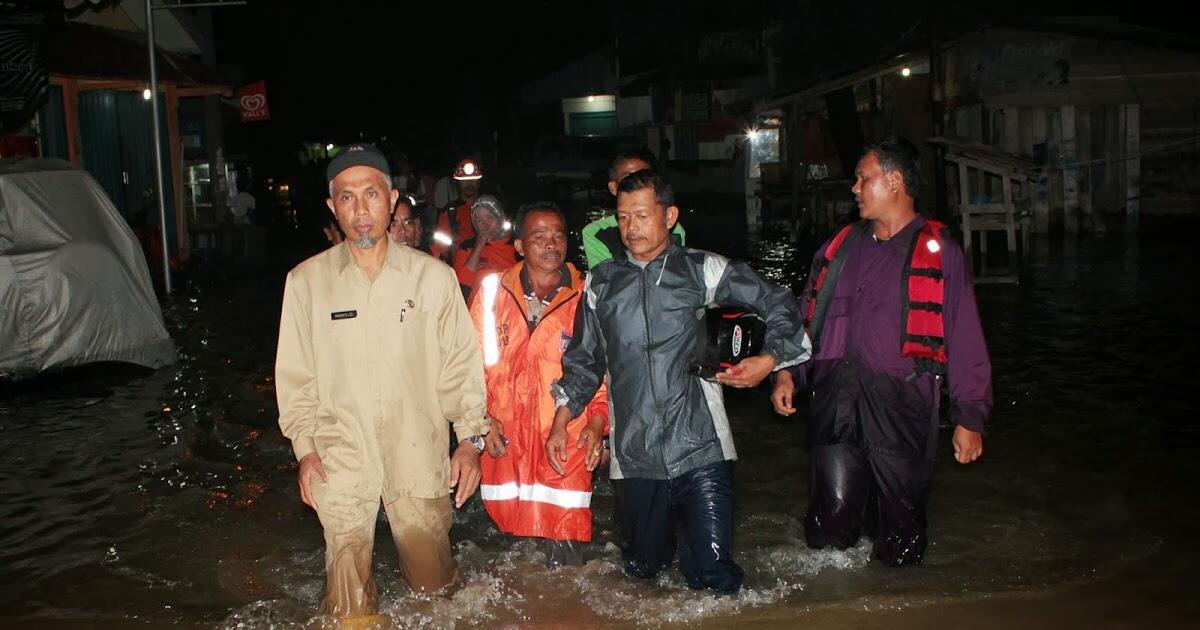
point(478, 443)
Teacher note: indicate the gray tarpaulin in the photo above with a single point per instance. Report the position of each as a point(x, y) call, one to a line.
point(74, 287)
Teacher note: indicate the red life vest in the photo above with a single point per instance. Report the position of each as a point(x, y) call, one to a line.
point(923, 293)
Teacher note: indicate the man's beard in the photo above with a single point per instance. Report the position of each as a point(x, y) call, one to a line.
point(365, 242)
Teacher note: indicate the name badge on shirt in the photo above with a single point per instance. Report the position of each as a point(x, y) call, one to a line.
point(343, 315)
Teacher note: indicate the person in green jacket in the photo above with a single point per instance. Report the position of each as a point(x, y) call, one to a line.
point(601, 240)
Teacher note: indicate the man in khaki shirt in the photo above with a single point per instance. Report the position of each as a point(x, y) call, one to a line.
point(376, 353)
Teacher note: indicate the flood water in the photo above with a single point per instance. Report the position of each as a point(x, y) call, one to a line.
point(168, 498)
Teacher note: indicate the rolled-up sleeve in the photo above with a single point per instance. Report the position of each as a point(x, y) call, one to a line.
point(969, 372)
point(296, 370)
point(460, 387)
point(584, 362)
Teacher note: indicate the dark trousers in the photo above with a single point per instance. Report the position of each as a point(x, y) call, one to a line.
point(700, 504)
point(856, 491)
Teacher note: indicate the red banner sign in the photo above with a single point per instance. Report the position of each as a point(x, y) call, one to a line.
point(252, 102)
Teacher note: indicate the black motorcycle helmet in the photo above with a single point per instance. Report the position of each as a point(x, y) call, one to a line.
point(728, 335)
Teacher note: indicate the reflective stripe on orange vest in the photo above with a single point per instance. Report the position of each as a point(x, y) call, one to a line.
point(491, 345)
point(535, 492)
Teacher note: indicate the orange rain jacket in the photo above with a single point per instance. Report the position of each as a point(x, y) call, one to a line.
point(521, 492)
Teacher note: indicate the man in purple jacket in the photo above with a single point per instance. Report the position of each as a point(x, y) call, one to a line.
point(891, 311)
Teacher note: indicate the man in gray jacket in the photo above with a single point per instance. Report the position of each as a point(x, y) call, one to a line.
point(673, 450)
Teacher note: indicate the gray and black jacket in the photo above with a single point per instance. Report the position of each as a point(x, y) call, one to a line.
point(639, 327)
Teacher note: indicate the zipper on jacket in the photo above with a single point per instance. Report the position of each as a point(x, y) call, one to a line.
point(662, 451)
point(646, 319)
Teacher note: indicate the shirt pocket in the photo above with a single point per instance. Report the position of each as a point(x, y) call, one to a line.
point(408, 336)
point(836, 330)
point(409, 324)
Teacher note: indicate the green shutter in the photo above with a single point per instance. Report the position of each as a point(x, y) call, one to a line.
point(52, 125)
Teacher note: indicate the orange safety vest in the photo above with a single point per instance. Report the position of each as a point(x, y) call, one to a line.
point(521, 492)
point(922, 294)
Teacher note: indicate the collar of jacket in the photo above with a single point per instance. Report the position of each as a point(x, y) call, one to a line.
point(904, 237)
point(396, 258)
point(511, 281)
point(671, 250)
point(564, 279)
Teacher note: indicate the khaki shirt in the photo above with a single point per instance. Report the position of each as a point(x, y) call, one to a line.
point(367, 374)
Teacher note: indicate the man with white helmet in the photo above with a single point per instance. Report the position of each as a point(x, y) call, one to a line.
point(454, 221)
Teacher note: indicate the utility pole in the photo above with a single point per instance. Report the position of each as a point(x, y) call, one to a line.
point(158, 169)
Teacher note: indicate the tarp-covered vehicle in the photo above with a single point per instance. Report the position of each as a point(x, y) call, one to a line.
point(74, 286)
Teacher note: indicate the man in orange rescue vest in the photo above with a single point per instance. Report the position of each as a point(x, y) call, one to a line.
point(891, 311)
point(525, 317)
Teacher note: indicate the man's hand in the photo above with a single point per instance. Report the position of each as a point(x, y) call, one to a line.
point(749, 373)
point(496, 444)
point(781, 395)
point(464, 472)
point(310, 465)
point(591, 440)
point(968, 445)
point(556, 444)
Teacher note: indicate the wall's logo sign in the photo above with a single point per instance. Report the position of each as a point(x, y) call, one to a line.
point(252, 102)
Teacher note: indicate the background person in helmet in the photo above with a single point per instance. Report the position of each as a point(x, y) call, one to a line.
point(376, 359)
point(672, 448)
point(489, 250)
point(601, 238)
point(876, 379)
point(525, 318)
point(454, 224)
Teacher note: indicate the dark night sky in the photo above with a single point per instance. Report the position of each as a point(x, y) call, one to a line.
point(439, 72)
point(399, 69)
